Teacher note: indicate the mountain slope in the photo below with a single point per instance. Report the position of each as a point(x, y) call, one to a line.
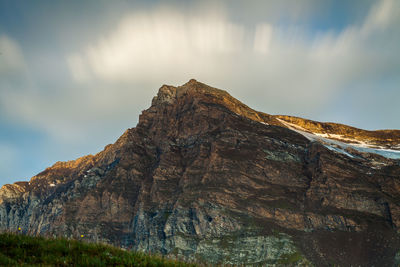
point(205, 177)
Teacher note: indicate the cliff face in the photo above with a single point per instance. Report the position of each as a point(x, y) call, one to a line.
point(204, 177)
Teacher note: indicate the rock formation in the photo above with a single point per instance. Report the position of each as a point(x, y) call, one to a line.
point(205, 178)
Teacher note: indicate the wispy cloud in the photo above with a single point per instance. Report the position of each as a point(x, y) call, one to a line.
point(11, 60)
point(290, 63)
point(262, 38)
point(160, 43)
point(311, 68)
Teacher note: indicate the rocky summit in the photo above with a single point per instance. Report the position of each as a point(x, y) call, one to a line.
point(205, 178)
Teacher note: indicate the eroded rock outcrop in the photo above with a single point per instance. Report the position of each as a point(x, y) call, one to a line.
point(204, 177)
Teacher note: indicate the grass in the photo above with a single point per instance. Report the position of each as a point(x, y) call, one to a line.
point(294, 259)
point(22, 250)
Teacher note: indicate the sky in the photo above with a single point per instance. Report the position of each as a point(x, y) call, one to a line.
point(75, 74)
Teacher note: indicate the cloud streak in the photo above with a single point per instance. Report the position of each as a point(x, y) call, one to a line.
point(281, 60)
point(12, 60)
point(161, 43)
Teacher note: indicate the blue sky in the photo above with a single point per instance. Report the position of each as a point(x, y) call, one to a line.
point(75, 74)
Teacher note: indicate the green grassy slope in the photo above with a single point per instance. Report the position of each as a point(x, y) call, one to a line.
point(21, 250)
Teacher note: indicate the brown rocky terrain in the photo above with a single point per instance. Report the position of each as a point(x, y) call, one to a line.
point(206, 178)
point(387, 138)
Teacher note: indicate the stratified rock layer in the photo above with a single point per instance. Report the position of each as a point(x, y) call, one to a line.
point(204, 177)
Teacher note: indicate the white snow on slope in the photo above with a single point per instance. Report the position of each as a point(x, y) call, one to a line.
point(339, 150)
point(340, 147)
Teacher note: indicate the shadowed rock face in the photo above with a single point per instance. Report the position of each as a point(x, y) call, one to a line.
point(204, 177)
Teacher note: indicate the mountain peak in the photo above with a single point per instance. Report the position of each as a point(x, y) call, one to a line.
point(167, 94)
point(191, 82)
point(195, 90)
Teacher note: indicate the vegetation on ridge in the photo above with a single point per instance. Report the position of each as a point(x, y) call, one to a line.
point(21, 250)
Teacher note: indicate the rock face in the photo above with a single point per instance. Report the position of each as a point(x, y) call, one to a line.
point(204, 177)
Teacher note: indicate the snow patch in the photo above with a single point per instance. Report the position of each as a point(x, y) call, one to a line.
point(338, 150)
point(340, 137)
point(340, 147)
